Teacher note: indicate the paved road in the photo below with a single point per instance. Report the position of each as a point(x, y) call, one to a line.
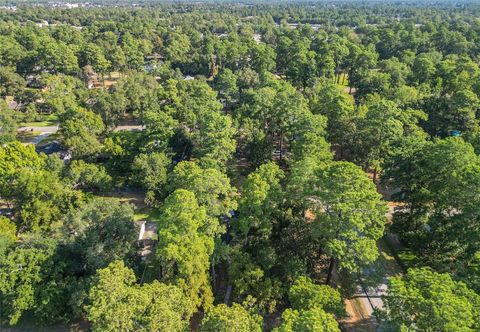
point(47, 131)
point(366, 299)
point(373, 298)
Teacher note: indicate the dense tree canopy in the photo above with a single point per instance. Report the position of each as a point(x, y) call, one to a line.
point(227, 167)
point(427, 301)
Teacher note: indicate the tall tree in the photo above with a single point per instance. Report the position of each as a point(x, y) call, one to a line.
point(184, 249)
point(439, 183)
point(311, 320)
point(79, 129)
point(222, 318)
point(117, 303)
point(350, 216)
point(424, 300)
point(330, 100)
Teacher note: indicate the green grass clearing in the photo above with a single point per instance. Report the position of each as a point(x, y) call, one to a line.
point(408, 258)
point(45, 121)
point(49, 138)
point(148, 214)
point(27, 136)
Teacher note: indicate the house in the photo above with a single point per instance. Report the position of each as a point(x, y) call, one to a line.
point(54, 147)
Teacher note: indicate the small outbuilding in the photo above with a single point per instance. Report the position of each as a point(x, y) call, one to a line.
point(147, 237)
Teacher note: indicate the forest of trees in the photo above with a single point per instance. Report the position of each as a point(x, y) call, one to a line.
point(273, 146)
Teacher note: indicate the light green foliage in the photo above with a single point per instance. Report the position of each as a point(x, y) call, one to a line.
point(11, 52)
point(150, 170)
point(226, 84)
point(329, 100)
point(79, 130)
point(13, 158)
point(192, 100)
point(117, 303)
point(213, 144)
point(9, 120)
point(222, 318)
point(8, 232)
point(304, 295)
point(184, 249)
point(397, 70)
point(250, 263)
point(195, 105)
point(93, 55)
point(378, 131)
point(424, 300)
point(423, 68)
point(210, 93)
point(138, 90)
point(350, 214)
point(56, 57)
point(40, 197)
point(60, 93)
point(160, 128)
point(54, 164)
point(88, 176)
point(309, 142)
point(22, 271)
point(251, 281)
point(302, 64)
point(211, 187)
point(121, 148)
point(134, 49)
point(311, 320)
point(177, 47)
point(439, 181)
point(261, 195)
point(269, 118)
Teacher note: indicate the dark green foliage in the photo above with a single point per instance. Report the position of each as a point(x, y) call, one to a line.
point(300, 106)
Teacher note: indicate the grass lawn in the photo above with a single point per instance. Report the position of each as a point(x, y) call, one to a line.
point(46, 121)
point(27, 136)
point(405, 257)
point(390, 264)
point(408, 258)
point(147, 213)
point(49, 138)
point(141, 210)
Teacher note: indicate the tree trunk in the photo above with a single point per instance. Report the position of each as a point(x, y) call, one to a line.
point(281, 146)
point(330, 271)
point(227, 294)
point(375, 175)
point(214, 277)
